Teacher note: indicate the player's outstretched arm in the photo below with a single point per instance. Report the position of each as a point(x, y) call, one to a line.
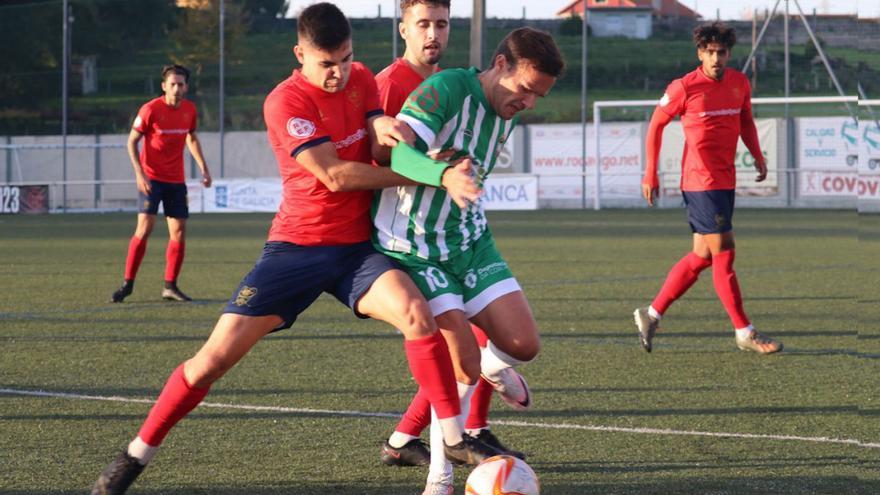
point(344, 175)
point(458, 180)
point(749, 133)
point(385, 132)
point(650, 182)
point(195, 148)
point(143, 184)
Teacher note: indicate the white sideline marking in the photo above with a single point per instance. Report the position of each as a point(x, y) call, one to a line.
point(526, 424)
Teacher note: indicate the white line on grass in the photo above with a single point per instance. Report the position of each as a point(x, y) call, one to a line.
point(525, 424)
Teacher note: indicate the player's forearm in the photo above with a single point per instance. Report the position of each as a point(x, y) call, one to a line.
point(413, 164)
point(357, 176)
point(749, 133)
point(135, 160)
point(653, 142)
point(195, 148)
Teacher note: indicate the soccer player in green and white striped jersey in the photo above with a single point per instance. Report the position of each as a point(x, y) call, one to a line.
point(442, 238)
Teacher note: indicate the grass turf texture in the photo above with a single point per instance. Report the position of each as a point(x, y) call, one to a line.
point(806, 276)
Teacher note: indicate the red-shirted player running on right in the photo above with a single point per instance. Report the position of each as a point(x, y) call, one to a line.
point(715, 108)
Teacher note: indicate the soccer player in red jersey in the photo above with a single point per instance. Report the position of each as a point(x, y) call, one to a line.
point(424, 28)
point(325, 125)
point(166, 123)
point(714, 103)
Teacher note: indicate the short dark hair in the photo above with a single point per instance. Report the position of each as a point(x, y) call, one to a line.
point(717, 32)
point(405, 4)
point(323, 25)
point(175, 69)
point(534, 47)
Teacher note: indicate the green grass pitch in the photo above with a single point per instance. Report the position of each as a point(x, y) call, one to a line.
point(809, 278)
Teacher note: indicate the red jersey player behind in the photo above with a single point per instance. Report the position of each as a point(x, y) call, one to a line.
point(165, 123)
point(324, 125)
point(714, 103)
point(424, 28)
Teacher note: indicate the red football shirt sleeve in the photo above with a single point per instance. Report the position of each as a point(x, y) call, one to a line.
point(371, 97)
point(391, 98)
point(748, 129)
point(674, 99)
point(652, 145)
point(195, 120)
point(295, 123)
point(142, 121)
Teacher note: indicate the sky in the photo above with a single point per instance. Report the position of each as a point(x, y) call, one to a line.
point(546, 9)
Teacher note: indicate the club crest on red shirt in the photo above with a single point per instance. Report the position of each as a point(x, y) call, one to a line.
point(300, 128)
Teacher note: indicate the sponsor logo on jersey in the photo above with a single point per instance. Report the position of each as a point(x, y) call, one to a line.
point(470, 280)
point(245, 295)
point(425, 99)
point(350, 140)
point(300, 128)
point(720, 113)
point(664, 100)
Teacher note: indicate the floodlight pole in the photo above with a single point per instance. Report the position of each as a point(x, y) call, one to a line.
point(222, 84)
point(65, 63)
point(584, 33)
point(394, 30)
point(478, 19)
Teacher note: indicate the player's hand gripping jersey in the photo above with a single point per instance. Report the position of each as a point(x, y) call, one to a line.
point(713, 114)
point(447, 112)
point(299, 116)
point(164, 128)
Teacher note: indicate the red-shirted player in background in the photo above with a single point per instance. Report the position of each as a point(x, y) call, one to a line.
point(166, 124)
point(715, 108)
point(424, 28)
point(324, 124)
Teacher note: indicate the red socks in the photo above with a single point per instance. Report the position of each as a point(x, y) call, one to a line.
point(174, 259)
point(681, 277)
point(431, 367)
point(417, 415)
point(177, 399)
point(136, 249)
point(727, 287)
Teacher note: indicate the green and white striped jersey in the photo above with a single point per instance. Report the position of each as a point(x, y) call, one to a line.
point(448, 111)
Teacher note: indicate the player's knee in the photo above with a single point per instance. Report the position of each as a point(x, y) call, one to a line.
point(417, 319)
point(205, 369)
point(524, 350)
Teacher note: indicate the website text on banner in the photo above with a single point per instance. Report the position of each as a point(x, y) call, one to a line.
point(505, 192)
point(828, 156)
point(556, 156)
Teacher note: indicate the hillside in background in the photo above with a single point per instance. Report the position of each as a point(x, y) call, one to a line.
point(127, 63)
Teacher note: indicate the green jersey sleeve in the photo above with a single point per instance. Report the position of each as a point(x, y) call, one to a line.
point(427, 108)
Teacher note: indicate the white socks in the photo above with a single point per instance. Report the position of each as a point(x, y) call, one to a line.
point(142, 451)
point(744, 333)
point(493, 360)
point(440, 467)
point(398, 439)
point(653, 313)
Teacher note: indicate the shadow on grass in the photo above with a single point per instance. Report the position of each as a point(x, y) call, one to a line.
point(751, 485)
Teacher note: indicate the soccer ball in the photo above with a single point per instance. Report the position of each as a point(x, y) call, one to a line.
point(502, 475)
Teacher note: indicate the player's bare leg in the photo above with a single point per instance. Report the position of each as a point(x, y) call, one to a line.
point(395, 299)
point(722, 249)
point(137, 246)
point(232, 338)
point(174, 259)
point(513, 340)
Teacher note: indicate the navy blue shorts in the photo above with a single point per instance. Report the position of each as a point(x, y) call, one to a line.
point(288, 278)
point(171, 195)
point(710, 212)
